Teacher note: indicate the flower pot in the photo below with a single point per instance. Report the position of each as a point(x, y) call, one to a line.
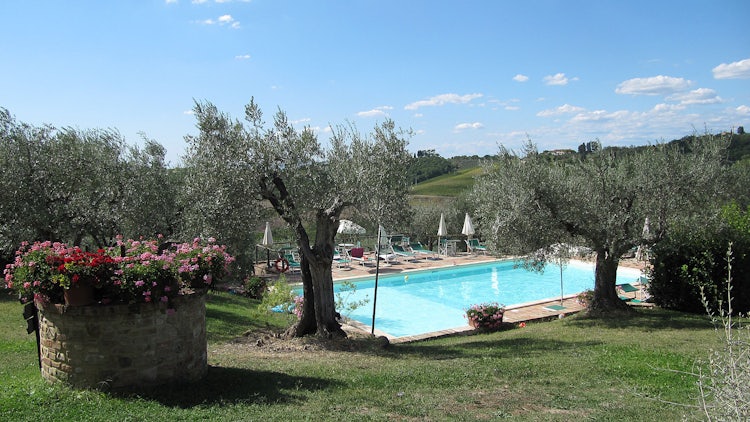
point(80, 294)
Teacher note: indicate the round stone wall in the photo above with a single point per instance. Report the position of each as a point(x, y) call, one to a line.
point(124, 346)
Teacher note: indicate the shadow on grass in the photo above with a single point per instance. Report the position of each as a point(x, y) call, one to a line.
point(484, 346)
point(646, 319)
point(233, 385)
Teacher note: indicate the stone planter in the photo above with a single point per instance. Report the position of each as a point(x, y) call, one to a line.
point(124, 347)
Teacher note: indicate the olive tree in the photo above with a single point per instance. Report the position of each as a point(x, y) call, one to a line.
point(59, 184)
point(149, 193)
point(531, 201)
point(218, 197)
point(309, 185)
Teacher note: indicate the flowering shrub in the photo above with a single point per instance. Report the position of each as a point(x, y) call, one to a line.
point(129, 272)
point(585, 297)
point(199, 263)
point(299, 302)
point(486, 315)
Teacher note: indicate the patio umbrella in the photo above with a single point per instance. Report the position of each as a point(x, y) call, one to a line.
point(468, 229)
point(442, 231)
point(350, 227)
point(645, 234)
point(268, 242)
point(383, 237)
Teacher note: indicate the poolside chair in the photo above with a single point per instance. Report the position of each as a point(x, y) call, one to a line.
point(340, 260)
point(293, 260)
point(443, 247)
point(626, 288)
point(387, 254)
point(407, 255)
point(473, 246)
point(358, 254)
point(418, 248)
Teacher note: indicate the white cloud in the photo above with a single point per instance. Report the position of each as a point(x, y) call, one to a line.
point(376, 112)
point(556, 79)
point(743, 109)
point(655, 85)
point(592, 116)
point(662, 107)
point(563, 109)
point(242, 57)
point(464, 126)
point(734, 70)
point(223, 20)
point(199, 1)
point(520, 78)
point(697, 96)
point(170, 1)
point(303, 120)
point(443, 99)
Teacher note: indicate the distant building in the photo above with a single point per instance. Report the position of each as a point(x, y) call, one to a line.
point(559, 152)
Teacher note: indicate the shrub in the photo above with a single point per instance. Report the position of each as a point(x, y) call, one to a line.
point(255, 287)
point(278, 294)
point(690, 259)
point(723, 389)
point(486, 315)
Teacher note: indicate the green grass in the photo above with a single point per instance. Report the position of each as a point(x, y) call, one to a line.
point(570, 369)
point(449, 184)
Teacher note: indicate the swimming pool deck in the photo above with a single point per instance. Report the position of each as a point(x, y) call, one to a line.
point(526, 312)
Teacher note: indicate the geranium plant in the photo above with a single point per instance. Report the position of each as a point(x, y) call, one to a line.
point(199, 263)
point(486, 315)
point(129, 272)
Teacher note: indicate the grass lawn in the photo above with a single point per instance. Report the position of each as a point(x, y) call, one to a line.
point(448, 184)
point(570, 369)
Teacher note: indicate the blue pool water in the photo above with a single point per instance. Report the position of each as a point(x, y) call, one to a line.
point(434, 300)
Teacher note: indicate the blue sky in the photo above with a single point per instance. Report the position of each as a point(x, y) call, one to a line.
point(464, 76)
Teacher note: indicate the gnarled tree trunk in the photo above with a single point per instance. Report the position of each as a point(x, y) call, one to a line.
point(319, 308)
point(606, 300)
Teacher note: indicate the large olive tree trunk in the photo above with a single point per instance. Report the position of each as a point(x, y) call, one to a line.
point(319, 308)
point(606, 301)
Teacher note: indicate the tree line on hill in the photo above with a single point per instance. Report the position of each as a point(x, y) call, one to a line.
point(428, 164)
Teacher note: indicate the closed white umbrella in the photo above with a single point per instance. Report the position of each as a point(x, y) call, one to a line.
point(442, 231)
point(267, 235)
point(383, 236)
point(645, 234)
point(268, 242)
point(468, 228)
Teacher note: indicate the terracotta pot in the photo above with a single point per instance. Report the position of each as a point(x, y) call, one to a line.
point(80, 294)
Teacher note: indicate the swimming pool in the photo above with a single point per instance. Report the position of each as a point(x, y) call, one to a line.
point(432, 300)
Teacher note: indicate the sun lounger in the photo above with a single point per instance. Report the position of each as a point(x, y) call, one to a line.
point(358, 255)
point(400, 251)
point(473, 246)
point(340, 261)
point(418, 248)
point(294, 264)
point(626, 288)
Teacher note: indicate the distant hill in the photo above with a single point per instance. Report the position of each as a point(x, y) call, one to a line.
point(454, 183)
point(448, 184)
